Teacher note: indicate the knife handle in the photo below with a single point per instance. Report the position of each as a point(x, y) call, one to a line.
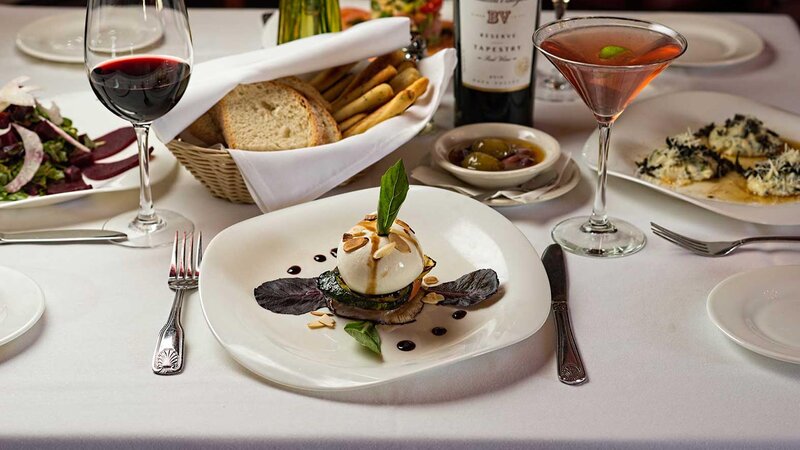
point(53, 236)
point(570, 364)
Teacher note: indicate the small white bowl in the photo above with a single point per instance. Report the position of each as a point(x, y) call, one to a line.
point(502, 178)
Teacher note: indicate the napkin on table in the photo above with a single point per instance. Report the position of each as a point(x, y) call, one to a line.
point(283, 178)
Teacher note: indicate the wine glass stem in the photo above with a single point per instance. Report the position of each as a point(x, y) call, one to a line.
point(598, 221)
point(146, 219)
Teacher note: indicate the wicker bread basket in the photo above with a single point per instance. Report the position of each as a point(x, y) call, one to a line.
point(214, 168)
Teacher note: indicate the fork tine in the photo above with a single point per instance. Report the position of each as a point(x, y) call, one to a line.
point(190, 268)
point(173, 261)
point(198, 254)
point(675, 235)
point(182, 271)
point(677, 238)
point(680, 244)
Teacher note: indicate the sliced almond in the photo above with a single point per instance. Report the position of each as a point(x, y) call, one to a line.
point(405, 226)
point(315, 324)
point(320, 313)
point(371, 217)
point(357, 230)
point(327, 321)
point(400, 243)
point(430, 281)
point(383, 251)
point(354, 244)
point(432, 298)
point(346, 237)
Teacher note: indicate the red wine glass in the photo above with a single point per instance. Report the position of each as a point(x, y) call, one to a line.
point(140, 84)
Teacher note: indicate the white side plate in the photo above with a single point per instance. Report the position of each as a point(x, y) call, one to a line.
point(60, 38)
point(645, 125)
point(21, 304)
point(92, 118)
point(760, 310)
point(713, 42)
point(459, 233)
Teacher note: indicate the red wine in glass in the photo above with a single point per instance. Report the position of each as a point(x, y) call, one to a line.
point(140, 88)
point(138, 56)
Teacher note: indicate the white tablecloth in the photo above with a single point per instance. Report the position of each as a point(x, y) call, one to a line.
point(661, 374)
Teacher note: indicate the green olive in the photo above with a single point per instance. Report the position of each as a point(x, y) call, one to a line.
point(492, 146)
point(481, 161)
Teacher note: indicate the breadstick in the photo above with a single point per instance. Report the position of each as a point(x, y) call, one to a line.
point(396, 106)
point(386, 74)
point(351, 121)
point(329, 77)
point(406, 65)
point(334, 91)
point(390, 59)
point(375, 97)
point(404, 79)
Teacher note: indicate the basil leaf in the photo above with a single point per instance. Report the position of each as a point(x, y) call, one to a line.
point(394, 187)
point(366, 333)
point(611, 51)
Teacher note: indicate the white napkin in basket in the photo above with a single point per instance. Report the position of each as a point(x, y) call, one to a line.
point(283, 178)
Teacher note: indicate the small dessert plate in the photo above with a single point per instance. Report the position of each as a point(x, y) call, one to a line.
point(460, 234)
point(21, 304)
point(760, 310)
point(503, 178)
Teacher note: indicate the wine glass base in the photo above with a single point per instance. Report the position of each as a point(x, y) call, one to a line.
point(575, 236)
point(157, 235)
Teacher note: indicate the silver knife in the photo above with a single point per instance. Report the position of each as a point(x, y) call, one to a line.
point(61, 236)
point(570, 365)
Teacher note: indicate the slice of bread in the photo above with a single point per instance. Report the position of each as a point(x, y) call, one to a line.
point(331, 128)
point(308, 91)
point(267, 116)
point(205, 129)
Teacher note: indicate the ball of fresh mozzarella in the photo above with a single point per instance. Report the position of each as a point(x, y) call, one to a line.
point(380, 264)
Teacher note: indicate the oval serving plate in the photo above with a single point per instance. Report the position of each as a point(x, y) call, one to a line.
point(460, 234)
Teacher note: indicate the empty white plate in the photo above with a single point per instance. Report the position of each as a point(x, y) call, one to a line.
point(713, 42)
point(60, 38)
point(461, 234)
point(21, 304)
point(760, 310)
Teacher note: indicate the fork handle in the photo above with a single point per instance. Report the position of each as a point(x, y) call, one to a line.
point(168, 356)
point(771, 238)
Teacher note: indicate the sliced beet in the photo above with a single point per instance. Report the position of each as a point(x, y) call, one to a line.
point(70, 186)
point(81, 159)
point(104, 171)
point(114, 142)
point(5, 120)
point(45, 131)
point(73, 173)
point(9, 138)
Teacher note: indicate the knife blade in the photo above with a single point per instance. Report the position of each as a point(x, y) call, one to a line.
point(61, 236)
point(568, 359)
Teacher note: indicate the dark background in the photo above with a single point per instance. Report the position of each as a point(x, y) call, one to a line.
point(791, 7)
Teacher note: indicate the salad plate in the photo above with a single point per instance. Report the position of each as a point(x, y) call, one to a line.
point(460, 234)
point(647, 124)
point(59, 38)
point(21, 304)
point(92, 118)
point(713, 42)
point(760, 310)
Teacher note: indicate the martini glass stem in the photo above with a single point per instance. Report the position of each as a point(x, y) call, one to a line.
point(146, 218)
point(598, 221)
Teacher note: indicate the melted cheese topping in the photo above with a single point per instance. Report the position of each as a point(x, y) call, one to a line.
point(779, 175)
point(683, 160)
point(744, 136)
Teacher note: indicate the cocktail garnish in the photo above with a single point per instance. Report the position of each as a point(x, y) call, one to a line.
point(610, 51)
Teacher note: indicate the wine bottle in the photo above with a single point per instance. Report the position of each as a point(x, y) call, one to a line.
point(494, 79)
point(303, 18)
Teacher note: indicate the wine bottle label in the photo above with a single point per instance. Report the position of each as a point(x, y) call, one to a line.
point(497, 44)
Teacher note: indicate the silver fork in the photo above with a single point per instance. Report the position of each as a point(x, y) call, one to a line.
point(184, 274)
point(718, 248)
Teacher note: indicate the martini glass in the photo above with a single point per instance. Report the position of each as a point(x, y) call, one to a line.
point(608, 61)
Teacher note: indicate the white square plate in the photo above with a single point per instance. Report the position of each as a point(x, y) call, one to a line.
point(461, 234)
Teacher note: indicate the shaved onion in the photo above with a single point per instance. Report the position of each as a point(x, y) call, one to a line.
point(68, 137)
point(53, 112)
point(14, 93)
point(34, 154)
